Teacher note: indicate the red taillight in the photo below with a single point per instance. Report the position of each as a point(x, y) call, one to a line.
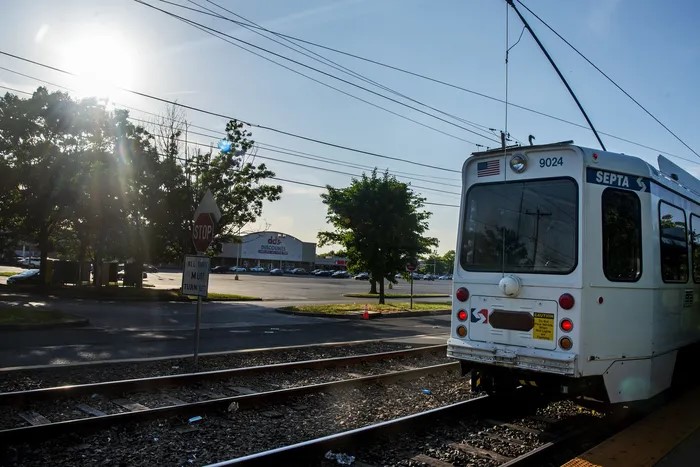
point(462, 294)
point(462, 315)
point(566, 325)
point(566, 301)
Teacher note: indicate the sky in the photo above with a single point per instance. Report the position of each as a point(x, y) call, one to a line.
point(650, 48)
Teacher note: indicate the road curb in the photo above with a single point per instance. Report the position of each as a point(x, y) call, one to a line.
point(32, 327)
point(372, 314)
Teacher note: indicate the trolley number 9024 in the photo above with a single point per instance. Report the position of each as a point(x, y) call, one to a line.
point(551, 161)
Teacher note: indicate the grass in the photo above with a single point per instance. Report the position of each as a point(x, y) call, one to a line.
point(396, 295)
point(23, 316)
point(352, 308)
point(125, 293)
point(8, 273)
point(230, 297)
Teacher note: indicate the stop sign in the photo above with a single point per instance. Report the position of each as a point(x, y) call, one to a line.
point(410, 267)
point(203, 231)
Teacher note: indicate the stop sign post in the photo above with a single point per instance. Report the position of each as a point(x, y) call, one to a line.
point(410, 267)
point(203, 232)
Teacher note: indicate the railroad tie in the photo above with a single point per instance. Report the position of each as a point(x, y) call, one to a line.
point(431, 461)
point(129, 405)
point(479, 452)
point(513, 426)
point(34, 418)
point(90, 410)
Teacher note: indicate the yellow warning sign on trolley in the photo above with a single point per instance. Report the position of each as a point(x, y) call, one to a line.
point(544, 326)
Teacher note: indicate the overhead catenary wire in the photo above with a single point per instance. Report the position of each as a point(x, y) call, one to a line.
point(253, 125)
point(436, 80)
point(608, 78)
point(216, 32)
point(559, 73)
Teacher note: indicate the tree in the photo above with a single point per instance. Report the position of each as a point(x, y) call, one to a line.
point(235, 181)
point(380, 223)
point(39, 140)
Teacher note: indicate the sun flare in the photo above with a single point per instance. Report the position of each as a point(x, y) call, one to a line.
point(103, 62)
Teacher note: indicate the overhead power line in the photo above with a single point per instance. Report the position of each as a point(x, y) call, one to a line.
point(218, 33)
point(608, 78)
point(253, 125)
point(256, 28)
point(182, 159)
point(323, 169)
point(434, 80)
point(260, 144)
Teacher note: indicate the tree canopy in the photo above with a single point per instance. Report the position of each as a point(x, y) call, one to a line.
point(379, 222)
point(87, 183)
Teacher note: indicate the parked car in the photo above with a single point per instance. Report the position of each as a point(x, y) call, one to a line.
point(428, 277)
point(276, 272)
point(416, 276)
point(29, 276)
point(446, 277)
point(298, 271)
point(257, 269)
point(340, 275)
point(220, 269)
point(238, 269)
point(121, 273)
point(323, 273)
point(363, 276)
point(315, 271)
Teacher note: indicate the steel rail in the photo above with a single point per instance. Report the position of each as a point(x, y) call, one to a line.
point(41, 432)
point(20, 398)
point(302, 453)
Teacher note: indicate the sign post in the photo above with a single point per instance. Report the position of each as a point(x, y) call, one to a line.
point(195, 281)
point(410, 267)
point(195, 274)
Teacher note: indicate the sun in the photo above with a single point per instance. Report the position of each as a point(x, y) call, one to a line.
point(103, 62)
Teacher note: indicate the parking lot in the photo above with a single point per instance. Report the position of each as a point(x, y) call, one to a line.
point(291, 287)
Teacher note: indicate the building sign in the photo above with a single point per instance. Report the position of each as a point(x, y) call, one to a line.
point(270, 246)
point(195, 276)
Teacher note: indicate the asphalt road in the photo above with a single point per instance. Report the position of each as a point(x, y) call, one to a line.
point(121, 330)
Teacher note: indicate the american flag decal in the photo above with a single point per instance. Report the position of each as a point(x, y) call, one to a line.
point(488, 168)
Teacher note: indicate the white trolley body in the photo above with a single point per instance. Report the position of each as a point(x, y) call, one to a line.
point(577, 270)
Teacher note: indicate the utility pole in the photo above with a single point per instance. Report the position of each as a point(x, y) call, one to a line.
point(538, 215)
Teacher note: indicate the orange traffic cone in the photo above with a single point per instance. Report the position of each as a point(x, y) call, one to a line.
point(365, 315)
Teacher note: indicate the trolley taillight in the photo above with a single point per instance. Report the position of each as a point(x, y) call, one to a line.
point(566, 325)
point(566, 301)
point(462, 294)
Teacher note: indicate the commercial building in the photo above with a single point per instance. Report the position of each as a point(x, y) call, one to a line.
point(269, 250)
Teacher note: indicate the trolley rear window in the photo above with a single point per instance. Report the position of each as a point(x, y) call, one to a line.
point(525, 227)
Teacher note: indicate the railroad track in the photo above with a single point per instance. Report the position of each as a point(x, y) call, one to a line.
point(40, 427)
point(422, 446)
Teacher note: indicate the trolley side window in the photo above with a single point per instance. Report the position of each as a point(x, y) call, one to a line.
point(622, 235)
point(695, 246)
point(674, 243)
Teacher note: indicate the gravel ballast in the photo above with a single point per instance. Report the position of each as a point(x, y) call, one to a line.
point(226, 435)
point(23, 380)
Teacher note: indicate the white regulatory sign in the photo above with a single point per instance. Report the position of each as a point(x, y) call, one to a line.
point(195, 276)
